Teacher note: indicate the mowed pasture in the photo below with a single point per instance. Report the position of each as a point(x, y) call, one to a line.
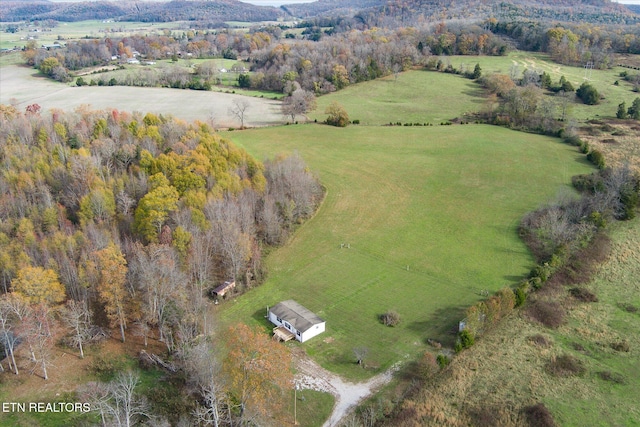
point(410, 97)
point(418, 220)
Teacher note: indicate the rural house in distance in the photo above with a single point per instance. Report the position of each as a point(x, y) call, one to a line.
point(295, 321)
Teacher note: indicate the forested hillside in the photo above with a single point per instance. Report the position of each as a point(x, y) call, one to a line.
point(211, 11)
point(128, 220)
point(412, 12)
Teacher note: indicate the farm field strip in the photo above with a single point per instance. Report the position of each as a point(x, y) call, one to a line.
point(23, 85)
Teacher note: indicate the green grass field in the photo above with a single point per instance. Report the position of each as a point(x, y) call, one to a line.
point(429, 216)
point(415, 97)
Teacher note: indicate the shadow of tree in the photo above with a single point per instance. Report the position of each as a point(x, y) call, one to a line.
point(442, 324)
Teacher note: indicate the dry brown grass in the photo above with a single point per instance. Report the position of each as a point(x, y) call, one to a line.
point(549, 313)
point(618, 140)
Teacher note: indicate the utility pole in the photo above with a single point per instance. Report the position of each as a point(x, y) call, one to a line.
point(295, 405)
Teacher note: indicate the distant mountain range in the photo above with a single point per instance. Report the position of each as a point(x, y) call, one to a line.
point(145, 11)
point(376, 12)
point(371, 12)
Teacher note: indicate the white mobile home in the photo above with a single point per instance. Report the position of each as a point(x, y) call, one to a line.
point(299, 321)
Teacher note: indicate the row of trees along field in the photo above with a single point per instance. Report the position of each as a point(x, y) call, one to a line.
point(121, 220)
point(347, 55)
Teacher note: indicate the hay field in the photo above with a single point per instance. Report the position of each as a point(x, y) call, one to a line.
point(23, 86)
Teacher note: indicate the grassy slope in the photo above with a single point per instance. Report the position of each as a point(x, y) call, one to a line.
point(505, 371)
point(416, 97)
point(444, 201)
point(440, 97)
point(603, 80)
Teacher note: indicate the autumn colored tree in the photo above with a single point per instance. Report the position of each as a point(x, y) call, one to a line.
point(38, 285)
point(154, 208)
point(258, 370)
point(337, 115)
point(111, 286)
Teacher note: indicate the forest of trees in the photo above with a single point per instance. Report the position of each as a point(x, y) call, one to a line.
point(216, 10)
point(126, 221)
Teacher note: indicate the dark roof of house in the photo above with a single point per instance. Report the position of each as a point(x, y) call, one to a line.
point(298, 316)
point(222, 289)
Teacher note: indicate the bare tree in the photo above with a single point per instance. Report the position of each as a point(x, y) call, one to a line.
point(361, 354)
point(239, 110)
point(116, 401)
point(8, 323)
point(155, 270)
point(299, 103)
point(39, 327)
point(77, 316)
point(203, 370)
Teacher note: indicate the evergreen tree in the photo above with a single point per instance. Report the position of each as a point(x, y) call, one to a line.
point(622, 111)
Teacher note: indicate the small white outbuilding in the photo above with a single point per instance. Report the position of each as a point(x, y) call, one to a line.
point(302, 323)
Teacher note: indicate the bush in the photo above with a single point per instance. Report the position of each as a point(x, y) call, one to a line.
point(584, 295)
point(549, 313)
point(539, 340)
point(597, 158)
point(485, 416)
point(521, 296)
point(620, 346)
point(588, 182)
point(337, 115)
point(428, 365)
point(611, 377)
point(443, 360)
point(565, 366)
point(466, 339)
point(588, 94)
point(390, 318)
point(539, 416)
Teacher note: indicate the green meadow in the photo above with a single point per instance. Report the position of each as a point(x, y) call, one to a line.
point(412, 97)
point(418, 220)
point(421, 96)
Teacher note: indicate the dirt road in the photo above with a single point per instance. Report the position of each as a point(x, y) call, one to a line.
point(348, 395)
